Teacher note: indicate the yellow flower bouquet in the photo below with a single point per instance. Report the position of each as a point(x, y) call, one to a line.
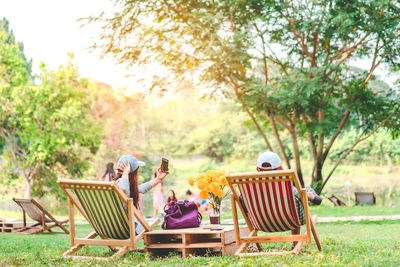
point(213, 186)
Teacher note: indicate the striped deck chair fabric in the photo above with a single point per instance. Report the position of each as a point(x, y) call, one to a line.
point(268, 203)
point(111, 214)
point(271, 205)
point(105, 210)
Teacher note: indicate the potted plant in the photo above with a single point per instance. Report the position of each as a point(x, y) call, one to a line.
point(214, 187)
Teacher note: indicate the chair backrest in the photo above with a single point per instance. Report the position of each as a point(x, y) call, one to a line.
point(336, 201)
point(103, 205)
point(365, 198)
point(268, 198)
point(32, 208)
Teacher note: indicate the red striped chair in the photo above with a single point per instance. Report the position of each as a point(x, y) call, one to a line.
point(267, 202)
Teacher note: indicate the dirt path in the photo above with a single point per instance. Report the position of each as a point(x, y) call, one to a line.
point(358, 218)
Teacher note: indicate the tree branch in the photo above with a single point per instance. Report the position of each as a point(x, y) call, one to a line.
point(359, 140)
point(263, 53)
point(298, 35)
point(343, 55)
point(283, 123)
point(276, 133)
point(338, 131)
point(236, 90)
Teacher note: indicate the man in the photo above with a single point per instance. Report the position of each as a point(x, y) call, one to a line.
point(270, 161)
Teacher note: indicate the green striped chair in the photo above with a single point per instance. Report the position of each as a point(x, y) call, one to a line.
point(103, 206)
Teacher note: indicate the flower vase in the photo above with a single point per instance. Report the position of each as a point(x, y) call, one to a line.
point(215, 217)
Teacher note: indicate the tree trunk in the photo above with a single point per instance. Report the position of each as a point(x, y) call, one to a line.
point(277, 137)
point(296, 152)
point(318, 171)
point(28, 190)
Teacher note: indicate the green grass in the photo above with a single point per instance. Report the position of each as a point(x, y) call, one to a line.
point(344, 244)
point(328, 211)
point(325, 210)
point(18, 215)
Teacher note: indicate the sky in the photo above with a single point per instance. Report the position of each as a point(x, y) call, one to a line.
point(49, 30)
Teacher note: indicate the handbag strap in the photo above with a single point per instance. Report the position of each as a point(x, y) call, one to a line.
point(164, 224)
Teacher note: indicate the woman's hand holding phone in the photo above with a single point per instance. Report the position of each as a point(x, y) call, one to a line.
point(161, 175)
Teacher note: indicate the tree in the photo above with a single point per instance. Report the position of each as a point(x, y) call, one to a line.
point(305, 49)
point(9, 38)
point(47, 128)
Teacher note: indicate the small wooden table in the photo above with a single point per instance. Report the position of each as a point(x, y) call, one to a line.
point(195, 241)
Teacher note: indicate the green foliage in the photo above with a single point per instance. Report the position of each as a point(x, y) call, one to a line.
point(379, 150)
point(47, 127)
point(287, 63)
point(186, 125)
point(10, 39)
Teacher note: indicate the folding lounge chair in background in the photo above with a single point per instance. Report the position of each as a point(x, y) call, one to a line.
point(365, 198)
point(269, 206)
point(101, 203)
point(40, 215)
point(336, 201)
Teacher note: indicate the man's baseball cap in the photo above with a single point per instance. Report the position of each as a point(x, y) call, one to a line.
point(269, 157)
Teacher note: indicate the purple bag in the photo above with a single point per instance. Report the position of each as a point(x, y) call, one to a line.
point(182, 214)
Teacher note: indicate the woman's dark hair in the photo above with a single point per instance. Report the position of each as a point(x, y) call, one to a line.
point(188, 192)
point(133, 185)
point(173, 196)
point(109, 173)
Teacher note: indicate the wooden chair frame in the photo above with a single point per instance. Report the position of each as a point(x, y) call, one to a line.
point(44, 214)
point(125, 245)
point(243, 242)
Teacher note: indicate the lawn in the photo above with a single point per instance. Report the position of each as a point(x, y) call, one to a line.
point(355, 244)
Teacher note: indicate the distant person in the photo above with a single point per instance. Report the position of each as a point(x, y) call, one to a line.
point(171, 197)
point(192, 197)
point(158, 199)
point(270, 161)
point(127, 180)
point(110, 173)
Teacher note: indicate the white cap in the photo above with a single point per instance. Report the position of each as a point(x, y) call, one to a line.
point(269, 157)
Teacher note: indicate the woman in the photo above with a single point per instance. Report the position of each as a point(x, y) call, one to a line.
point(158, 199)
point(127, 180)
point(171, 197)
point(109, 173)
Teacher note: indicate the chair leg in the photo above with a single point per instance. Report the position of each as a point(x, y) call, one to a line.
point(36, 232)
point(296, 250)
point(314, 232)
point(60, 224)
point(50, 226)
point(242, 248)
point(22, 230)
point(69, 253)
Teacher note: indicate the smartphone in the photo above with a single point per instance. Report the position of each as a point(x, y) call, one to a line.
point(164, 165)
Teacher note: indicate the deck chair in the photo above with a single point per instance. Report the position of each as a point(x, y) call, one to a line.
point(336, 201)
point(103, 205)
point(44, 220)
point(269, 206)
point(365, 198)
